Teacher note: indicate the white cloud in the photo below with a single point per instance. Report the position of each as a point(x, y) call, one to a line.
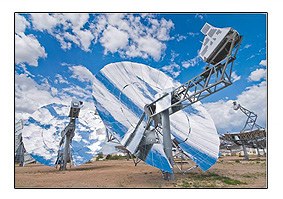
point(23, 68)
point(263, 62)
point(164, 29)
point(173, 69)
point(20, 23)
point(44, 21)
point(75, 91)
point(226, 119)
point(257, 75)
point(252, 56)
point(76, 21)
point(191, 62)
point(81, 73)
point(85, 37)
point(127, 35)
point(151, 46)
point(98, 27)
point(28, 49)
point(247, 46)
point(54, 91)
point(60, 79)
point(173, 55)
point(235, 77)
point(29, 95)
point(65, 28)
point(113, 39)
point(193, 34)
point(180, 37)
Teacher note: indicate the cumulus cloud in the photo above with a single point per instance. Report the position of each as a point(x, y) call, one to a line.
point(191, 62)
point(28, 49)
point(81, 73)
point(84, 37)
point(173, 69)
point(151, 47)
point(23, 68)
point(29, 95)
point(44, 21)
point(113, 39)
point(128, 35)
point(263, 62)
point(235, 77)
point(257, 75)
point(226, 119)
point(21, 23)
point(66, 28)
point(60, 79)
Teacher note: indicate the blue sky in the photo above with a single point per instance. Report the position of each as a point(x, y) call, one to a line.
point(56, 56)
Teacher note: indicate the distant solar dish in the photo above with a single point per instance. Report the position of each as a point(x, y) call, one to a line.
point(121, 92)
point(21, 156)
point(43, 133)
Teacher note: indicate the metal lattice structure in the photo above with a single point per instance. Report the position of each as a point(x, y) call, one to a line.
point(247, 137)
point(212, 80)
point(251, 120)
point(64, 153)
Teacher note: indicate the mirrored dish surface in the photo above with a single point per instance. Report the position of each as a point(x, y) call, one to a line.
point(42, 134)
point(120, 92)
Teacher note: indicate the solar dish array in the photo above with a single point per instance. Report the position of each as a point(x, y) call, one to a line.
point(120, 92)
point(251, 139)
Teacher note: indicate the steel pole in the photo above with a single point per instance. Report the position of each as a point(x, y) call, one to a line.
point(66, 151)
point(245, 152)
point(258, 153)
point(167, 142)
point(231, 152)
point(22, 155)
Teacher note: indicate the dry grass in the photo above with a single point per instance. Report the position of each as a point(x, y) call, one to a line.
point(228, 172)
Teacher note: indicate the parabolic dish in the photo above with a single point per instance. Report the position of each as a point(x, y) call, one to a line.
point(42, 134)
point(120, 92)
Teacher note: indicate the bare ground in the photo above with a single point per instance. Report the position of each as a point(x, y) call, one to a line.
point(228, 172)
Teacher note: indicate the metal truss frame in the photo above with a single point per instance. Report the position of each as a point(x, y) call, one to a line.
point(179, 165)
point(111, 138)
point(251, 121)
point(212, 80)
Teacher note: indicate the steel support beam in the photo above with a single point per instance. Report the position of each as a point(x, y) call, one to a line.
point(167, 142)
point(258, 153)
point(66, 151)
point(264, 151)
point(245, 152)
